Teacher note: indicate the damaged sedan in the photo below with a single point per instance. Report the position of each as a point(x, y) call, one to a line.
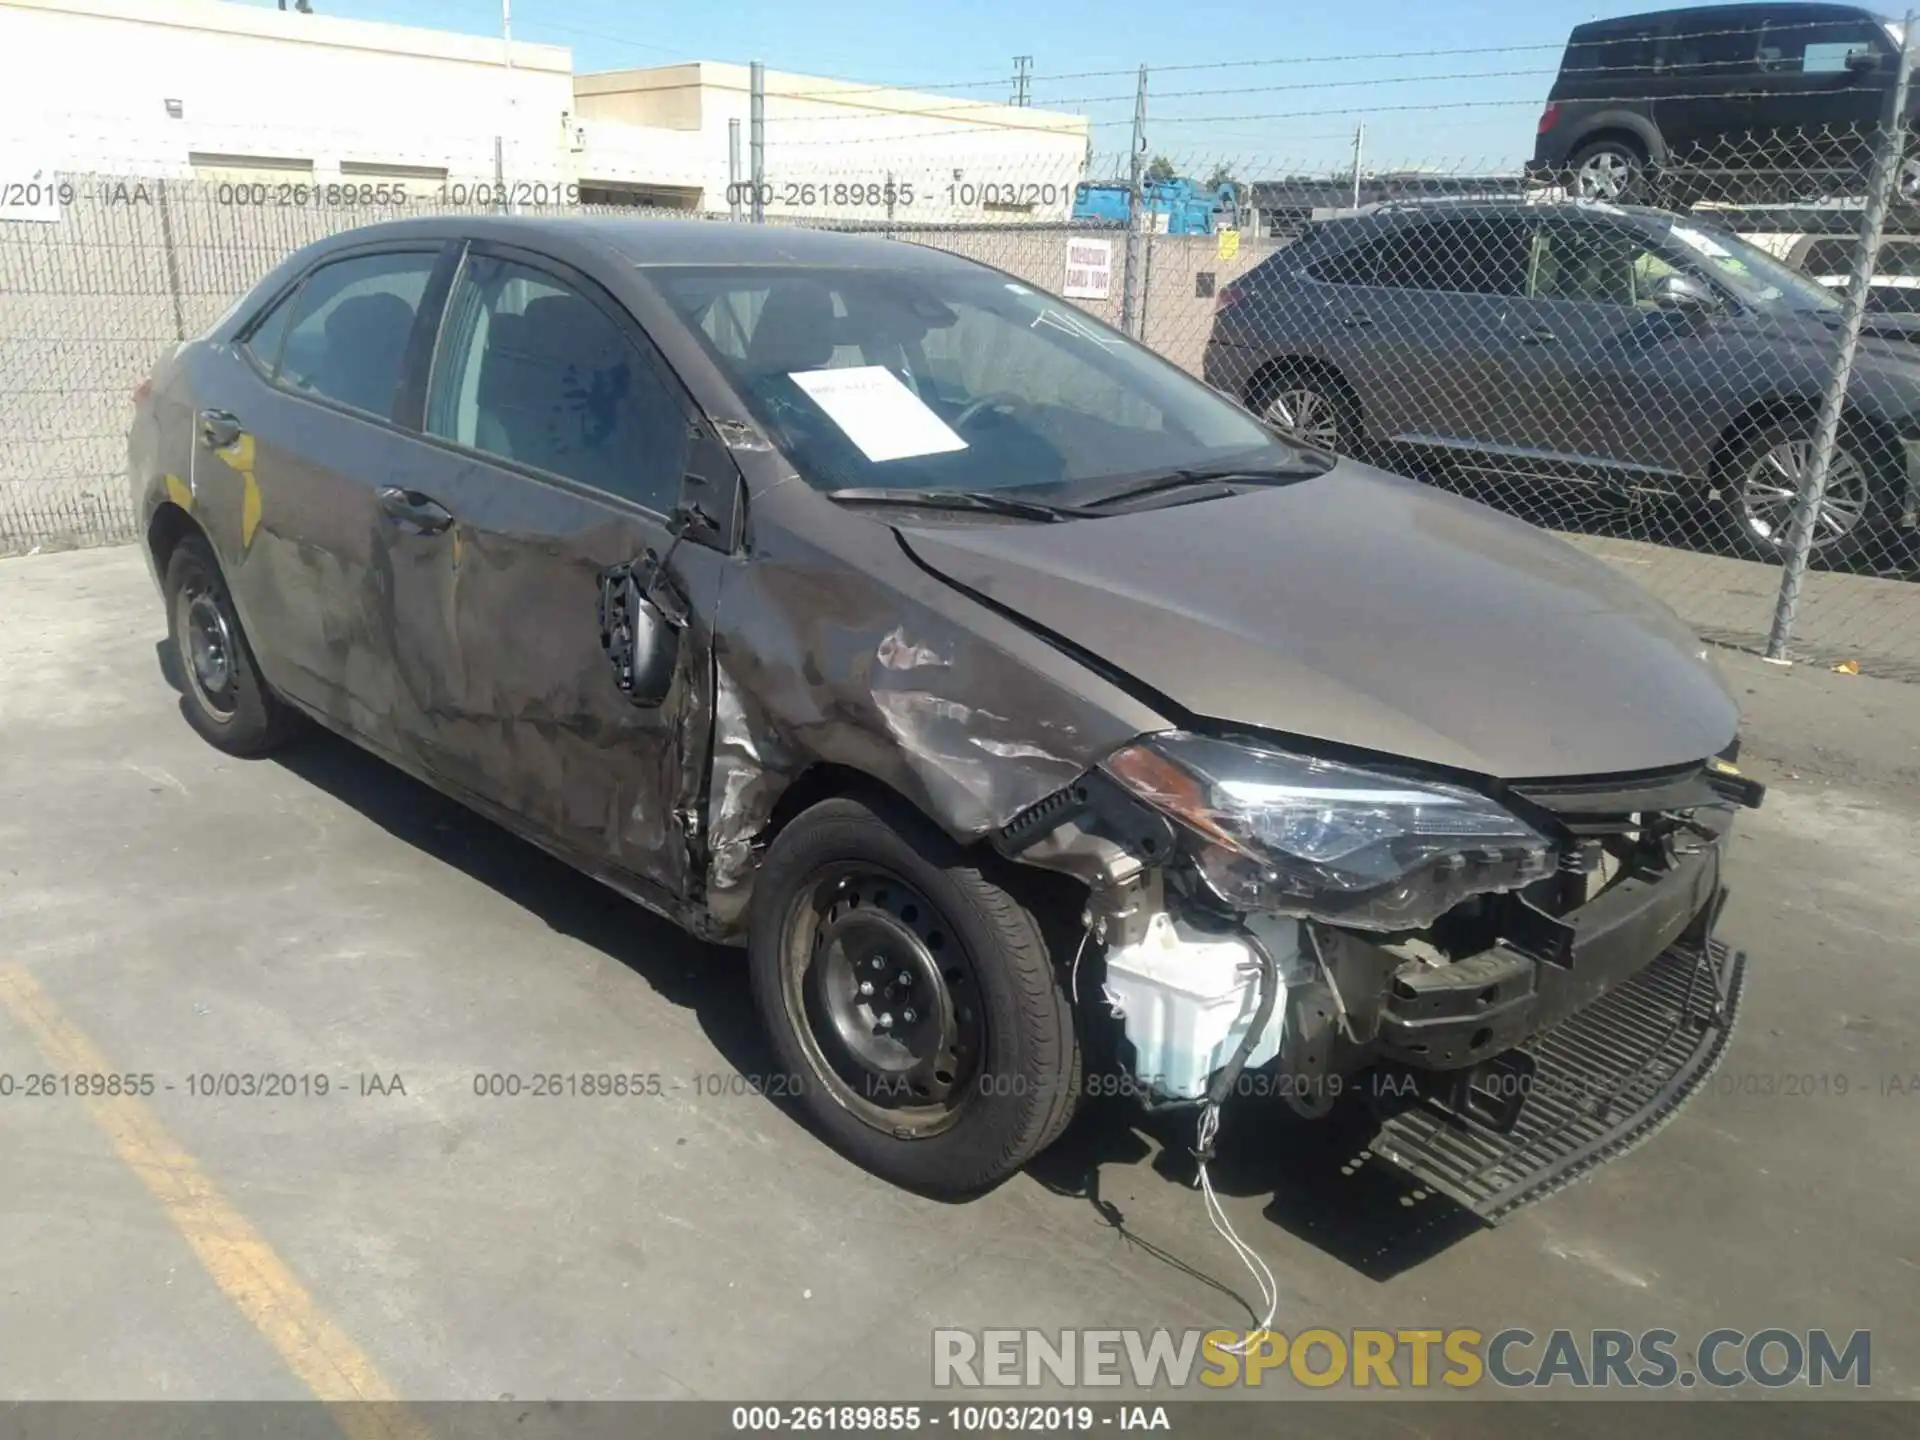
point(1025, 708)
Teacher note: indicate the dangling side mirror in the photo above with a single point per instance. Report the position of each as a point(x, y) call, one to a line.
point(640, 629)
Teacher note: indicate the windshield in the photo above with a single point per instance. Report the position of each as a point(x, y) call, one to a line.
point(955, 379)
point(1748, 271)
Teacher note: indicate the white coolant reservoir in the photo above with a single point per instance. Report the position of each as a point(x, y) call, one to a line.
point(1187, 996)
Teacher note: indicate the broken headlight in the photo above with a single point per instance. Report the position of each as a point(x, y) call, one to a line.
point(1274, 831)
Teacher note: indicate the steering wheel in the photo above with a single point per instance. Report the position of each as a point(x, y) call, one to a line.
point(996, 400)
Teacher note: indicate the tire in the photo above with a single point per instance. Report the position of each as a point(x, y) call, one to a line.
point(1308, 406)
point(1762, 474)
point(845, 885)
point(222, 694)
point(1614, 170)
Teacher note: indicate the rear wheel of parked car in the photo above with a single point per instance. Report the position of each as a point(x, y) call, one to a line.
point(223, 696)
point(1309, 407)
point(913, 1002)
point(1766, 473)
point(1608, 170)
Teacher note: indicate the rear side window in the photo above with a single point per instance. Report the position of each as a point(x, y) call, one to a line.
point(348, 328)
point(1469, 256)
point(1606, 60)
point(534, 371)
point(1712, 51)
point(263, 342)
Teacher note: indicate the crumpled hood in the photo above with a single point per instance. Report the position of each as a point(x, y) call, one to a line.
point(1368, 610)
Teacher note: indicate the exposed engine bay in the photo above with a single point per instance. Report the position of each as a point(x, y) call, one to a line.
point(1430, 937)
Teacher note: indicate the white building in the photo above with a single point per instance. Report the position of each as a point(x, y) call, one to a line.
point(245, 94)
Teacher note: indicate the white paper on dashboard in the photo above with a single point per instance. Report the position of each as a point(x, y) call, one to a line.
point(879, 414)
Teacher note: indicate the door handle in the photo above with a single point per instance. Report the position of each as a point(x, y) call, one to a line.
point(220, 428)
point(1356, 317)
point(1538, 335)
point(421, 513)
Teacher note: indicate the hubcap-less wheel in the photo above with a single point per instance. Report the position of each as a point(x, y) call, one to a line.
point(888, 1002)
point(1772, 486)
point(1308, 415)
point(210, 652)
point(1608, 175)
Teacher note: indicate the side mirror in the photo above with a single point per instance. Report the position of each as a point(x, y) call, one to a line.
point(1683, 293)
point(1862, 62)
point(640, 629)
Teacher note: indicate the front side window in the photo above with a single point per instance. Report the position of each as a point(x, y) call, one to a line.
point(534, 371)
point(1596, 265)
point(933, 377)
point(1817, 49)
point(348, 327)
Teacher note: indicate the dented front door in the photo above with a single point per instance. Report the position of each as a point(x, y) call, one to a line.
point(554, 446)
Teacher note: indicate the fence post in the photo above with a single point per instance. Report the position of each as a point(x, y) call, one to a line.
point(733, 168)
point(171, 252)
point(1136, 165)
point(757, 139)
point(1873, 219)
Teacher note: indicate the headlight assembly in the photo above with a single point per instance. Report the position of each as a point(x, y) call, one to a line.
point(1275, 831)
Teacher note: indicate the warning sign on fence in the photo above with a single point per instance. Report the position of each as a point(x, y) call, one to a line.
point(1089, 269)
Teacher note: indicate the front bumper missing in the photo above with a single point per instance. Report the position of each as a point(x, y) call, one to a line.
point(1574, 1095)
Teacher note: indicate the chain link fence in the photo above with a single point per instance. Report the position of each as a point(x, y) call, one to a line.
point(1707, 370)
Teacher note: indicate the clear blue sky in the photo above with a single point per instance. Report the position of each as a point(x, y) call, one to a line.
point(1239, 112)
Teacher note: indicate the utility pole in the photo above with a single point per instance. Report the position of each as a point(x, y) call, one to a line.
point(757, 138)
point(1129, 302)
point(499, 157)
point(1022, 74)
point(1359, 143)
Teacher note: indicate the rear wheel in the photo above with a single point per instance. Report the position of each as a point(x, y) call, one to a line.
point(912, 1000)
point(1608, 169)
point(223, 696)
point(1308, 407)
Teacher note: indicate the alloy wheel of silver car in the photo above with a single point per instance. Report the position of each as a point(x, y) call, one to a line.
point(1605, 175)
point(1309, 415)
point(1771, 489)
point(1908, 180)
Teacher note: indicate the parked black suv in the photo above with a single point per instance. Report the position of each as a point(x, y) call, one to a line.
point(1743, 103)
point(1640, 352)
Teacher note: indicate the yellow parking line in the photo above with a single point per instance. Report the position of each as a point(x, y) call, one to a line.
point(235, 1254)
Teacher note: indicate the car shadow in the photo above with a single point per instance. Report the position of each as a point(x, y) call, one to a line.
point(1324, 1185)
point(708, 980)
point(1321, 1188)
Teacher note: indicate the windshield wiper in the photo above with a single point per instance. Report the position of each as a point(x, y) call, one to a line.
point(985, 501)
point(1217, 475)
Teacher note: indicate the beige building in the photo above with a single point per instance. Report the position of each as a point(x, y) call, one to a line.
point(237, 93)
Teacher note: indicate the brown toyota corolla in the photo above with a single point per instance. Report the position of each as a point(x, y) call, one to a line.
point(1039, 720)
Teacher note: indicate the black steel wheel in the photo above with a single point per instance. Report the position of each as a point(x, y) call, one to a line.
point(912, 1000)
point(222, 694)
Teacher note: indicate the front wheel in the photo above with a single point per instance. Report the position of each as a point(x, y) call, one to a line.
point(1766, 476)
point(913, 1002)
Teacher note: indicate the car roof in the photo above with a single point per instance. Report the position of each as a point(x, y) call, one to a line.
point(1398, 211)
point(651, 242)
point(1613, 25)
